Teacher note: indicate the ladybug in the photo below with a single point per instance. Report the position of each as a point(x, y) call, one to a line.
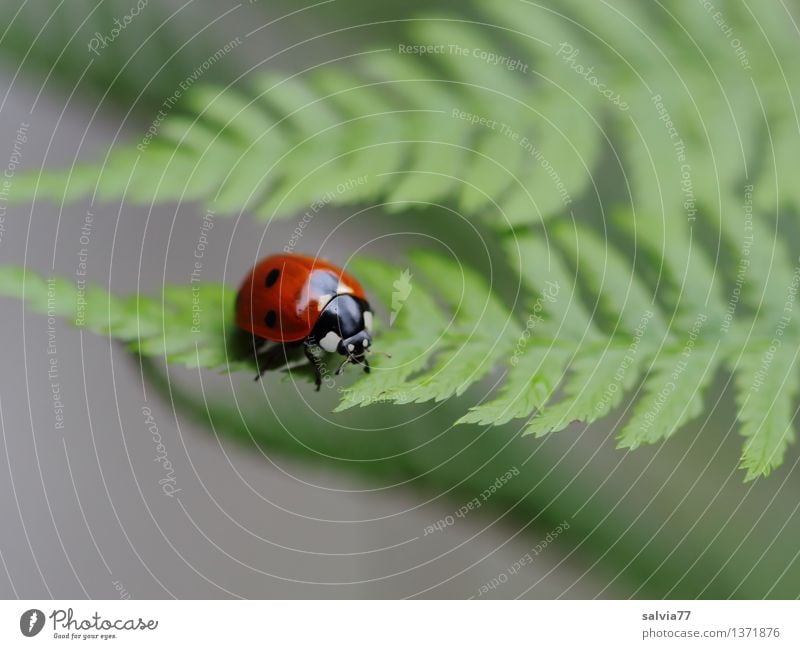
point(294, 300)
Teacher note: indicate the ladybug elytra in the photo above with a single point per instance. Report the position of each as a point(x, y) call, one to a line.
point(293, 299)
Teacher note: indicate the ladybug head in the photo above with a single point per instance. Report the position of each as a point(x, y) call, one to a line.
point(345, 326)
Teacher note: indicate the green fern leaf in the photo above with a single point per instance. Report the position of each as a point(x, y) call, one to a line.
point(767, 385)
point(189, 325)
point(596, 385)
point(672, 396)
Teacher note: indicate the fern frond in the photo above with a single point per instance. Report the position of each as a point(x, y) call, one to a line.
point(138, 68)
point(767, 385)
point(596, 385)
point(188, 325)
point(528, 385)
point(702, 140)
point(673, 395)
point(292, 141)
point(456, 127)
point(459, 346)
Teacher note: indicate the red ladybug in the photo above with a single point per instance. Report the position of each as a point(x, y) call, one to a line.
point(295, 299)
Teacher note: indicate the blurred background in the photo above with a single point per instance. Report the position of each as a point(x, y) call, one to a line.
point(274, 496)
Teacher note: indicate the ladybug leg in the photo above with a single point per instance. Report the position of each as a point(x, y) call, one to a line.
point(315, 362)
point(365, 362)
point(262, 367)
point(271, 356)
point(267, 357)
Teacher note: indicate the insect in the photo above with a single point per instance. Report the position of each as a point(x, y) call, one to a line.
point(293, 300)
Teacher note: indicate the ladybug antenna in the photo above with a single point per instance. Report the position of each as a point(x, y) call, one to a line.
point(348, 359)
point(375, 351)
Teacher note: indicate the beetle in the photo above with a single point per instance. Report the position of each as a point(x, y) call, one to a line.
point(293, 299)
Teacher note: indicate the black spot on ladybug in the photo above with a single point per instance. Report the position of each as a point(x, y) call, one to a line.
point(272, 277)
point(271, 318)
